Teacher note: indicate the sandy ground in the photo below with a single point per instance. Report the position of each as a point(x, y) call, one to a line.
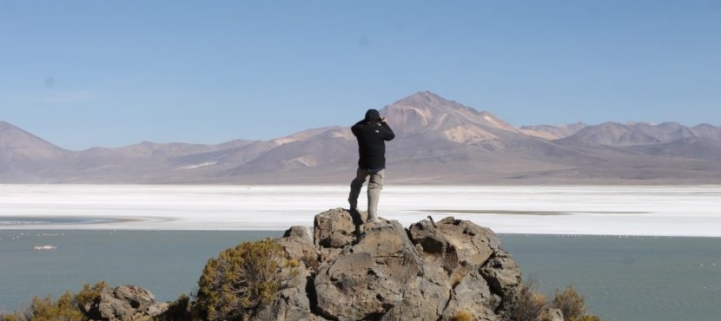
point(580, 210)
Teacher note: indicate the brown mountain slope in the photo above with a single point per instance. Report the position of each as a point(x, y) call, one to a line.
point(616, 134)
point(691, 147)
point(16, 143)
point(552, 132)
point(438, 141)
point(708, 131)
point(25, 157)
point(425, 112)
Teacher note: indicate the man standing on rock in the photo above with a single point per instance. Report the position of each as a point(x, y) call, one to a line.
point(371, 133)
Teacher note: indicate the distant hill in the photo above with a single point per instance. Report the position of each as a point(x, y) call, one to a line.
point(439, 141)
point(552, 132)
point(25, 157)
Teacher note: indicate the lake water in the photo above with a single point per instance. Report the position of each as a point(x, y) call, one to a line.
point(637, 253)
point(623, 278)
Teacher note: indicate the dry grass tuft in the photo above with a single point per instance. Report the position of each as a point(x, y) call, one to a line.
point(463, 316)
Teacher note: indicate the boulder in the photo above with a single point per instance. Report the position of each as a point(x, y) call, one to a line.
point(473, 295)
point(336, 228)
point(289, 304)
point(503, 275)
point(431, 271)
point(298, 243)
point(550, 314)
point(127, 302)
point(372, 276)
point(457, 242)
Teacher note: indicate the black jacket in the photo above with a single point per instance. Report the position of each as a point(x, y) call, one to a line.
point(371, 136)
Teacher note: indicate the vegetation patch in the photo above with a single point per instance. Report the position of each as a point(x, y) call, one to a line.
point(68, 307)
point(243, 279)
point(529, 304)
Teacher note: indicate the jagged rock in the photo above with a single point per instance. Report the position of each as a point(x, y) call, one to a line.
point(336, 228)
point(503, 275)
point(550, 314)
point(431, 271)
point(298, 243)
point(348, 270)
point(460, 242)
point(289, 304)
point(371, 277)
point(126, 302)
point(472, 294)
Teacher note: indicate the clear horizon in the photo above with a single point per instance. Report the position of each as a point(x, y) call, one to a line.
point(83, 74)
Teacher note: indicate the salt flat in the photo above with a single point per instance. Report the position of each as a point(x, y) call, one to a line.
point(581, 210)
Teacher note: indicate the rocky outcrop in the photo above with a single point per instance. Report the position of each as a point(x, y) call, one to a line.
point(382, 271)
point(345, 269)
point(127, 302)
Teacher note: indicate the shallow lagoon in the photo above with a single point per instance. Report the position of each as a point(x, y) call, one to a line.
point(623, 278)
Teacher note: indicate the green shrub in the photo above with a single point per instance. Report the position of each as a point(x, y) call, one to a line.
point(87, 295)
point(571, 303)
point(65, 308)
point(178, 310)
point(528, 303)
point(68, 307)
point(47, 309)
point(242, 279)
point(8, 317)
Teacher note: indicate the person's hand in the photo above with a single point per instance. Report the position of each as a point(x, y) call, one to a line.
point(383, 119)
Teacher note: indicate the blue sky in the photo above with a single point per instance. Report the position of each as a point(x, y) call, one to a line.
point(114, 73)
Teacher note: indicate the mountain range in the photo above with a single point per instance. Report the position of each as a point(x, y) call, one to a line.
point(438, 141)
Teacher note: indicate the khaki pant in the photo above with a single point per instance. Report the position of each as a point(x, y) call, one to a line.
point(375, 185)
